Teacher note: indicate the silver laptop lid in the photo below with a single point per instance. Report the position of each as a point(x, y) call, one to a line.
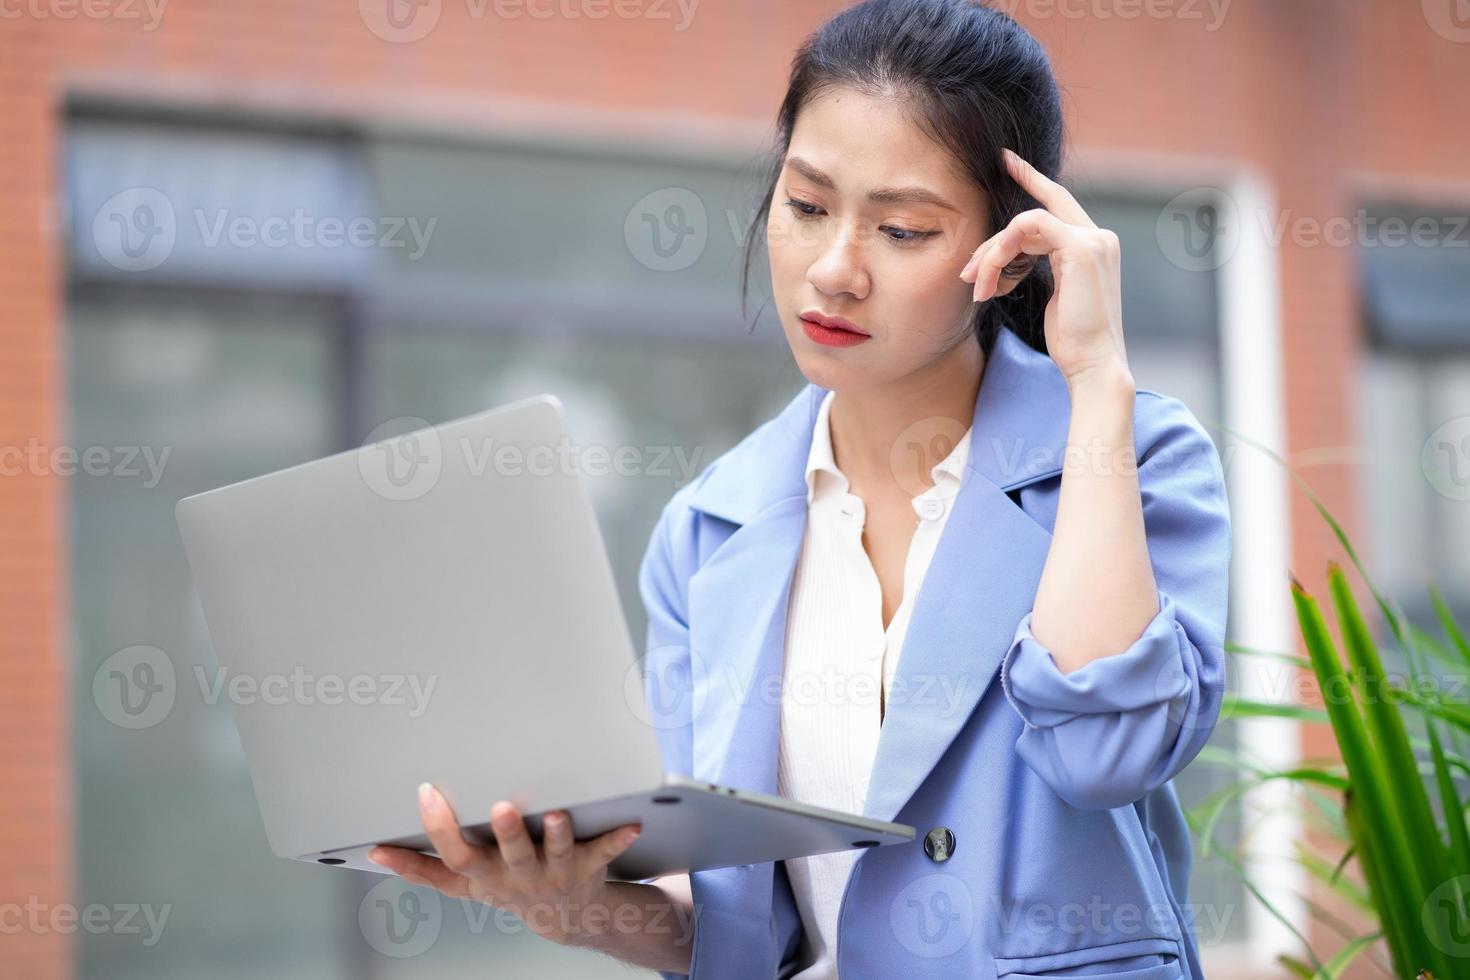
point(434, 606)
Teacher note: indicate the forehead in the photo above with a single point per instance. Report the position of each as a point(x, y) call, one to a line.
point(863, 141)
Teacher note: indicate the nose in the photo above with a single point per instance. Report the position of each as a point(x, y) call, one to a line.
point(839, 266)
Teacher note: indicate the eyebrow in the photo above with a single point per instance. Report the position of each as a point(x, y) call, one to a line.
point(881, 195)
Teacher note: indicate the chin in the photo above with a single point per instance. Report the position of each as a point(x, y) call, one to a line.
point(826, 372)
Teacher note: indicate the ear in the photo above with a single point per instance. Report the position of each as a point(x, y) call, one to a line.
point(1004, 284)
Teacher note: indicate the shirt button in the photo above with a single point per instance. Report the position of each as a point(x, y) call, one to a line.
point(939, 844)
point(929, 508)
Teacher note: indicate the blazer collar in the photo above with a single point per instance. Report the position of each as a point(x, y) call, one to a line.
point(1018, 434)
point(981, 581)
point(947, 474)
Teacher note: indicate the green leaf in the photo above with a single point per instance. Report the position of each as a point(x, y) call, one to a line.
point(1447, 620)
point(1379, 836)
point(1328, 874)
point(1287, 658)
point(1401, 946)
point(1333, 968)
point(1449, 796)
point(1295, 966)
point(1234, 706)
point(1407, 800)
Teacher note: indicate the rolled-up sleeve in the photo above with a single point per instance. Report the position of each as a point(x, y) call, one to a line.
point(1109, 732)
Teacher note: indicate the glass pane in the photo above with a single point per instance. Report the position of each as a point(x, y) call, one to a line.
point(200, 394)
point(557, 239)
point(1415, 420)
point(675, 407)
point(1171, 316)
point(669, 408)
point(1414, 270)
point(155, 202)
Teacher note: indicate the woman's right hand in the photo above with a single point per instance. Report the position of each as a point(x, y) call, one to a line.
point(559, 888)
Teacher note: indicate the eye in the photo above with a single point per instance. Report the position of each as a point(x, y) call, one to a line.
point(912, 236)
point(898, 236)
point(800, 207)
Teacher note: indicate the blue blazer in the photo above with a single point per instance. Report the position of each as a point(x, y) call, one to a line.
point(1070, 853)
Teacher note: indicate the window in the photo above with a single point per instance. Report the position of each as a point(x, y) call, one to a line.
point(218, 311)
point(1414, 271)
point(216, 324)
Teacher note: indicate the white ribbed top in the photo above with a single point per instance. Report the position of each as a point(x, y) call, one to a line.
point(837, 653)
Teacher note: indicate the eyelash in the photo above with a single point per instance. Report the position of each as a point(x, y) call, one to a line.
point(914, 237)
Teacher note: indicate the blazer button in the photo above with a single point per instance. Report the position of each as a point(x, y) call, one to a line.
point(939, 844)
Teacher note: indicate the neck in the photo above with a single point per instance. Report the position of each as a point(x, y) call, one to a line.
point(886, 438)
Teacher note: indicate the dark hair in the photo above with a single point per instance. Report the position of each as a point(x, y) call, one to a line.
point(974, 81)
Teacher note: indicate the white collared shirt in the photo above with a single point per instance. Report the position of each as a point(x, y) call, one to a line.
point(839, 662)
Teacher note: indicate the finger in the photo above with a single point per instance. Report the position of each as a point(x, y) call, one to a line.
point(458, 854)
point(517, 849)
point(557, 842)
point(1029, 244)
point(599, 852)
point(420, 869)
point(1034, 232)
point(988, 285)
point(1051, 195)
point(1036, 222)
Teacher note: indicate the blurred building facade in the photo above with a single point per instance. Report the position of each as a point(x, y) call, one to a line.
point(243, 235)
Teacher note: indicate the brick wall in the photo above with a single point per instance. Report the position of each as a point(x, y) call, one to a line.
point(1313, 93)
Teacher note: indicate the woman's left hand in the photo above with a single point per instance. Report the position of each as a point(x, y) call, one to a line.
point(1084, 318)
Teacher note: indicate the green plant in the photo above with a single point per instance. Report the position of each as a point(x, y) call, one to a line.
point(1376, 802)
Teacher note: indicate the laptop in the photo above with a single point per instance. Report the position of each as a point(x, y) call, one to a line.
point(439, 605)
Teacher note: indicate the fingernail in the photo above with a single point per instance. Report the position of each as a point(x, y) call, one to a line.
point(631, 835)
point(427, 795)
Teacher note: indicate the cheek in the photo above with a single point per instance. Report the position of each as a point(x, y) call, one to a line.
point(933, 283)
point(783, 245)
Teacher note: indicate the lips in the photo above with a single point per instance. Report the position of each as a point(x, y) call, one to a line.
point(834, 323)
point(832, 336)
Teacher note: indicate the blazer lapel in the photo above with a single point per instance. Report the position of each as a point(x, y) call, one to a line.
point(738, 606)
point(983, 576)
point(738, 599)
point(981, 581)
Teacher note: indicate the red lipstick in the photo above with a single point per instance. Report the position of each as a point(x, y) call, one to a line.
point(832, 331)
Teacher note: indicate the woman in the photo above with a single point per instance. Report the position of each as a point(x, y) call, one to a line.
point(970, 480)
